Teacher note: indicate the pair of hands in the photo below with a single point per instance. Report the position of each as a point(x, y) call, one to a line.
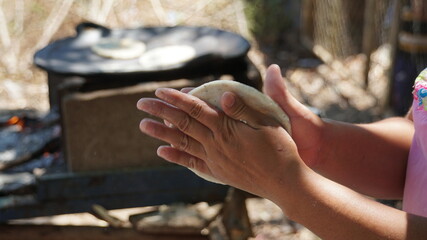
point(259, 157)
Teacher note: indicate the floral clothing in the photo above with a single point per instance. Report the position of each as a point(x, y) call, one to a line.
point(415, 194)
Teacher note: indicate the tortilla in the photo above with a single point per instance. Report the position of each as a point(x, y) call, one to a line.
point(124, 48)
point(166, 57)
point(211, 93)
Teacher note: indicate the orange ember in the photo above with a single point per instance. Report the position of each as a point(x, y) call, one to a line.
point(15, 120)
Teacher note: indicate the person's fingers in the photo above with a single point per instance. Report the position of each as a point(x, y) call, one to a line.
point(174, 116)
point(184, 90)
point(237, 109)
point(275, 87)
point(176, 156)
point(167, 123)
point(195, 108)
point(173, 136)
point(187, 89)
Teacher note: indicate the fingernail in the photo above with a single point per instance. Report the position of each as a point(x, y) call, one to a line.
point(143, 126)
point(162, 92)
point(159, 92)
point(162, 153)
point(146, 105)
point(142, 104)
point(229, 99)
point(167, 123)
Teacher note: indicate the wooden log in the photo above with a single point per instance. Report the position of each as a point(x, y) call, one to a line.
point(233, 223)
point(307, 28)
point(368, 36)
point(394, 32)
point(176, 219)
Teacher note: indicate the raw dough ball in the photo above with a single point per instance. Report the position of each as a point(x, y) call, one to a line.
point(211, 93)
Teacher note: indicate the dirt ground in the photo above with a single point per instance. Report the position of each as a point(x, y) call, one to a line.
point(32, 25)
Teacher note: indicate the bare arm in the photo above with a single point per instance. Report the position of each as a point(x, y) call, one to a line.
point(269, 166)
point(333, 211)
point(370, 158)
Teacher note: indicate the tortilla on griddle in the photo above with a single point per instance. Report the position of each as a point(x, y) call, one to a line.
point(124, 48)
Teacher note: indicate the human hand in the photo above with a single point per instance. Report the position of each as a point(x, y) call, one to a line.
point(306, 126)
point(254, 158)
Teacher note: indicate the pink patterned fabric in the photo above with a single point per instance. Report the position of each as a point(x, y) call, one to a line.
point(415, 194)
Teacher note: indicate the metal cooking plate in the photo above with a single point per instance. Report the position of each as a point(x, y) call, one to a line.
point(74, 55)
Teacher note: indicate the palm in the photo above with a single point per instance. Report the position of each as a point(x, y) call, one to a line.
point(306, 126)
point(307, 136)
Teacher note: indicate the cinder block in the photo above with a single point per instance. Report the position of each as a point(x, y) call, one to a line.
point(101, 128)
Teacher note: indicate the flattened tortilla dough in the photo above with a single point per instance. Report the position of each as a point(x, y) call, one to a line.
point(211, 93)
point(124, 48)
point(166, 57)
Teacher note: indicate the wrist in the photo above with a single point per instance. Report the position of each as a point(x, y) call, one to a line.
point(291, 187)
point(328, 130)
point(323, 128)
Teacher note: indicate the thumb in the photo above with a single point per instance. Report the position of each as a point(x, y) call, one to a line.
point(234, 107)
point(275, 87)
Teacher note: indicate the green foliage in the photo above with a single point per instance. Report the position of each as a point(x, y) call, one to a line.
point(267, 19)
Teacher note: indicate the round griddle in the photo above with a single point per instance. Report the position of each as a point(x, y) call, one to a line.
point(74, 55)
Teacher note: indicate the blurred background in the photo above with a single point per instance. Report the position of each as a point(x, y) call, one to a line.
point(353, 61)
point(317, 43)
point(349, 45)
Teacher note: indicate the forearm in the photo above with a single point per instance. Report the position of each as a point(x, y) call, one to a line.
point(333, 211)
point(370, 158)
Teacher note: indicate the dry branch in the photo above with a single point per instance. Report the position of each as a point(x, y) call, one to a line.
point(19, 16)
point(103, 214)
point(198, 10)
point(4, 31)
point(159, 11)
point(54, 21)
point(242, 23)
point(104, 11)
